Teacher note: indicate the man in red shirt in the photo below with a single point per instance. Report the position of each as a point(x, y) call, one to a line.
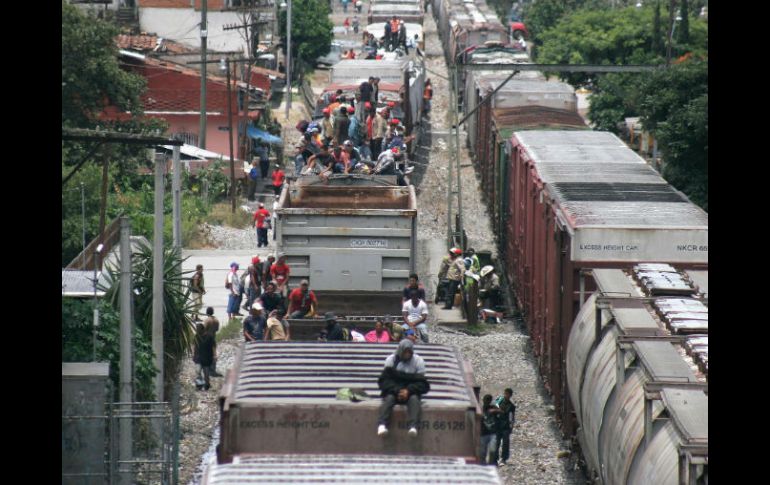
point(280, 274)
point(278, 178)
point(259, 221)
point(302, 301)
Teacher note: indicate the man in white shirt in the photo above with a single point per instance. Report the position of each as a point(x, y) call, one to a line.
point(415, 313)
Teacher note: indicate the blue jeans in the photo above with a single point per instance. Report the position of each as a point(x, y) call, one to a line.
point(487, 446)
point(299, 164)
point(422, 330)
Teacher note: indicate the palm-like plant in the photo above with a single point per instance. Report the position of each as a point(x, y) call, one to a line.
point(178, 308)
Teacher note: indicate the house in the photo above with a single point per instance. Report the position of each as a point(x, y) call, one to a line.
point(180, 20)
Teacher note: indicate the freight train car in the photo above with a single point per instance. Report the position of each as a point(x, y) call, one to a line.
point(281, 397)
point(637, 373)
point(464, 23)
point(408, 12)
point(349, 469)
point(577, 200)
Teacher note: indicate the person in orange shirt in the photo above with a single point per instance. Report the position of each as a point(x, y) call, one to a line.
point(259, 221)
point(278, 178)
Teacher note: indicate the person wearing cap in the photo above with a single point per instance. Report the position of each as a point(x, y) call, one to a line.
point(341, 125)
point(254, 324)
point(450, 276)
point(275, 329)
point(233, 283)
point(279, 273)
point(271, 299)
point(302, 301)
point(253, 175)
point(278, 178)
point(259, 222)
point(490, 287)
point(402, 381)
point(334, 331)
point(379, 129)
point(415, 313)
point(327, 125)
point(197, 290)
point(379, 334)
point(340, 160)
point(253, 282)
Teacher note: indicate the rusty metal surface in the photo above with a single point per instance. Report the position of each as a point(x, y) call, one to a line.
point(281, 398)
point(352, 198)
point(534, 117)
point(350, 469)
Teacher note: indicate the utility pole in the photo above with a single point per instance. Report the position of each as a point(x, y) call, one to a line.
point(671, 15)
point(288, 58)
point(103, 207)
point(157, 277)
point(126, 351)
point(83, 220)
point(204, 35)
point(455, 118)
point(177, 195)
point(230, 131)
point(450, 242)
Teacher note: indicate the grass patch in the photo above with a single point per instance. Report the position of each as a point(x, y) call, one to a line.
point(230, 330)
point(221, 215)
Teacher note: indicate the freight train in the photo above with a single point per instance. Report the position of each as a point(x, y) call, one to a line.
point(568, 203)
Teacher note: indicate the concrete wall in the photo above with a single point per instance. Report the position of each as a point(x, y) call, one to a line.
point(181, 25)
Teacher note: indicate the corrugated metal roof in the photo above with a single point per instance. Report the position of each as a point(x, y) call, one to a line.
point(701, 281)
point(76, 283)
point(350, 469)
point(312, 372)
point(614, 281)
point(508, 120)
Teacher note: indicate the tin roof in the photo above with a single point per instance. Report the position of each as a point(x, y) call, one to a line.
point(312, 372)
point(76, 283)
point(598, 180)
point(352, 469)
point(508, 120)
point(690, 410)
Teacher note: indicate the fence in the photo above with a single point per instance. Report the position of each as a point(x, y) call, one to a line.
point(152, 457)
point(87, 258)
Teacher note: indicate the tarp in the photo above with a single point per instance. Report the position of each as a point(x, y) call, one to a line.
point(266, 137)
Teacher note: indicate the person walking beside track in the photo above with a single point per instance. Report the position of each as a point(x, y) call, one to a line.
point(402, 381)
point(450, 276)
point(506, 419)
point(212, 325)
point(233, 283)
point(259, 222)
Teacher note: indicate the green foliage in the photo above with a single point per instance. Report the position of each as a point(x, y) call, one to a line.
point(673, 104)
point(311, 30)
point(586, 36)
point(614, 100)
point(178, 308)
point(683, 34)
point(77, 343)
point(542, 15)
point(91, 77)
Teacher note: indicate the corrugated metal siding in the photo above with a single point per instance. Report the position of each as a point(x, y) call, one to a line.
point(350, 469)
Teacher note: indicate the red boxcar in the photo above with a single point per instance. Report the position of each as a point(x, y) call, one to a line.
point(582, 199)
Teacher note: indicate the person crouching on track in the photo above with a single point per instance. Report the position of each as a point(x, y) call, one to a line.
point(402, 381)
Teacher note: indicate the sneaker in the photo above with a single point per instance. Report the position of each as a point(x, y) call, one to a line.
point(412, 431)
point(382, 430)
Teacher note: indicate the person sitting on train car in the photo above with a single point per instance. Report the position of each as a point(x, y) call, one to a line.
point(340, 160)
point(356, 335)
point(254, 324)
point(401, 39)
point(379, 334)
point(379, 130)
point(386, 38)
point(402, 381)
point(327, 126)
point(271, 299)
point(334, 331)
point(352, 154)
point(415, 312)
point(275, 329)
point(410, 335)
point(341, 125)
point(279, 273)
point(321, 162)
point(490, 287)
point(366, 89)
point(414, 284)
point(302, 301)
point(394, 24)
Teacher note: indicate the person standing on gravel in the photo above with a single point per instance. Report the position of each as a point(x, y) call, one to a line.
point(212, 325)
point(202, 356)
point(278, 178)
point(233, 283)
point(452, 269)
point(265, 268)
point(402, 381)
point(254, 282)
point(489, 429)
point(198, 290)
point(253, 175)
point(506, 419)
point(259, 222)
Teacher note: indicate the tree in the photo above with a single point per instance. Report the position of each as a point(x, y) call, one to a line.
point(545, 14)
point(311, 30)
point(657, 36)
point(674, 106)
point(684, 25)
point(91, 76)
point(178, 308)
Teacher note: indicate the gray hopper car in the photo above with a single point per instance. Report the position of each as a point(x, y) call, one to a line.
point(280, 397)
point(349, 469)
point(639, 396)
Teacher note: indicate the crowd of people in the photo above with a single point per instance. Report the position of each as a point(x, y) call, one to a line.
point(462, 271)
